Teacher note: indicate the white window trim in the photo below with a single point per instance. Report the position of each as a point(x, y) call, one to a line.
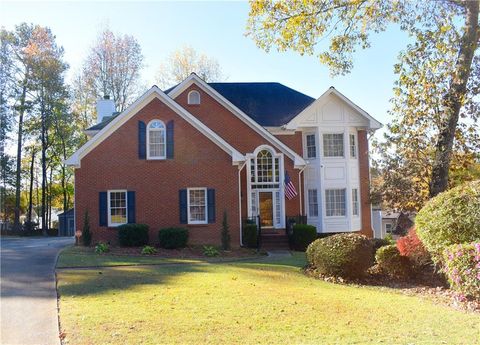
point(188, 206)
point(109, 207)
point(306, 145)
point(323, 148)
point(193, 92)
point(149, 157)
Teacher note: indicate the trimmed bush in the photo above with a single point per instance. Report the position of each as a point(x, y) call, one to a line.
point(462, 267)
point(449, 218)
point(411, 247)
point(173, 238)
point(392, 263)
point(86, 234)
point(133, 235)
point(250, 235)
point(377, 243)
point(225, 232)
point(303, 235)
point(148, 250)
point(101, 248)
point(341, 255)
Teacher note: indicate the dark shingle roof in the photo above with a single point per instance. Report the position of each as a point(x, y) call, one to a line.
point(269, 104)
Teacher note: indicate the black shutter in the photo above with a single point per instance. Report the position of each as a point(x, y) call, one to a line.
point(102, 209)
point(170, 139)
point(142, 140)
point(182, 194)
point(211, 205)
point(131, 207)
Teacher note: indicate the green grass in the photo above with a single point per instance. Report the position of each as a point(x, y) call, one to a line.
point(257, 302)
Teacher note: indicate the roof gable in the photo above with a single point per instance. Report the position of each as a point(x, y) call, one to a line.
point(193, 78)
point(323, 110)
point(123, 117)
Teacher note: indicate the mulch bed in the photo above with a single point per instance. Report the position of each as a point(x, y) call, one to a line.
point(427, 284)
point(194, 252)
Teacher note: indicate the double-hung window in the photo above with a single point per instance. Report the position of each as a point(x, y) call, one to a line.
point(311, 146)
point(197, 205)
point(156, 140)
point(312, 203)
point(353, 146)
point(355, 202)
point(117, 207)
point(333, 145)
point(335, 203)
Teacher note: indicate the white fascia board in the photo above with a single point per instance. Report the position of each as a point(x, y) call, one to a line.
point(147, 97)
point(193, 78)
point(373, 124)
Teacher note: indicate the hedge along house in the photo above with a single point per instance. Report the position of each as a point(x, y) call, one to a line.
point(184, 156)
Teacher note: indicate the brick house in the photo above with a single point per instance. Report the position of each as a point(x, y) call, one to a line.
point(185, 156)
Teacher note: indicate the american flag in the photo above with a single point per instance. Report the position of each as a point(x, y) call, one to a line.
point(290, 191)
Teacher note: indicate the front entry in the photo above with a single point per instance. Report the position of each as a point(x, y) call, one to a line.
point(266, 208)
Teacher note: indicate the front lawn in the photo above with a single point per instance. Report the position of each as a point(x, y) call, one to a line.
point(257, 302)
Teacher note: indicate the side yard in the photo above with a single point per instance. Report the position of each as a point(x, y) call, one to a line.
point(261, 301)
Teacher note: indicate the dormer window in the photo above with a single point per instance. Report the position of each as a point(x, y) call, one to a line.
point(193, 97)
point(156, 140)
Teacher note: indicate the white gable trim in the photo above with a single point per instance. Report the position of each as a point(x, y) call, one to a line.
point(147, 97)
point(193, 78)
point(373, 124)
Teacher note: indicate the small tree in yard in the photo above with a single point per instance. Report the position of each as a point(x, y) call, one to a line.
point(86, 234)
point(225, 232)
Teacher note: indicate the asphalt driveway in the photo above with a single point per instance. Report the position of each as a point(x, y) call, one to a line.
point(28, 297)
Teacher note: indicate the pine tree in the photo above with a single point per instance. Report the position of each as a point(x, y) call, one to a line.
point(225, 232)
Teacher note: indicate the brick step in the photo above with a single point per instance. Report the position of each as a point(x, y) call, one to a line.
point(275, 240)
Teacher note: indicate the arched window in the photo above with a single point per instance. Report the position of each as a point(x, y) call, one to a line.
point(156, 140)
point(194, 97)
point(265, 169)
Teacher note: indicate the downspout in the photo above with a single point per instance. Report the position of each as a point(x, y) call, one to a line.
point(300, 188)
point(240, 199)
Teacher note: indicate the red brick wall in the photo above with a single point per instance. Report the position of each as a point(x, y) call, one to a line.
point(240, 136)
point(294, 141)
point(364, 184)
point(198, 162)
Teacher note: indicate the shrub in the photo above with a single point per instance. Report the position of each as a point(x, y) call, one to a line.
point(303, 235)
point(411, 247)
point(172, 238)
point(392, 263)
point(449, 218)
point(462, 267)
point(378, 243)
point(86, 234)
point(250, 235)
point(133, 235)
point(342, 255)
point(210, 251)
point(225, 232)
point(148, 250)
point(52, 232)
point(389, 237)
point(101, 248)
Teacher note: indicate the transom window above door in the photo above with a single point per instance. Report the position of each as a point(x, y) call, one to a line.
point(156, 140)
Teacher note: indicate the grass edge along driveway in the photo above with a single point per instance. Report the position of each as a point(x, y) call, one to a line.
point(256, 302)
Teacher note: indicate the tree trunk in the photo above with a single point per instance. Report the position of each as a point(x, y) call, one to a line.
point(453, 100)
point(44, 166)
point(16, 220)
point(30, 198)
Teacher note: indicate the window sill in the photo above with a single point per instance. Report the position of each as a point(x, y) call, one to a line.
point(198, 225)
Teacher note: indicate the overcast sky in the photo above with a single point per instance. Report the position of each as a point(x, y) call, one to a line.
point(218, 30)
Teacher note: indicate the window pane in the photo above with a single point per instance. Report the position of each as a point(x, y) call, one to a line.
point(198, 208)
point(312, 203)
point(333, 145)
point(118, 208)
point(355, 202)
point(264, 166)
point(156, 140)
point(335, 202)
point(353, 146)
point(311, 147)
